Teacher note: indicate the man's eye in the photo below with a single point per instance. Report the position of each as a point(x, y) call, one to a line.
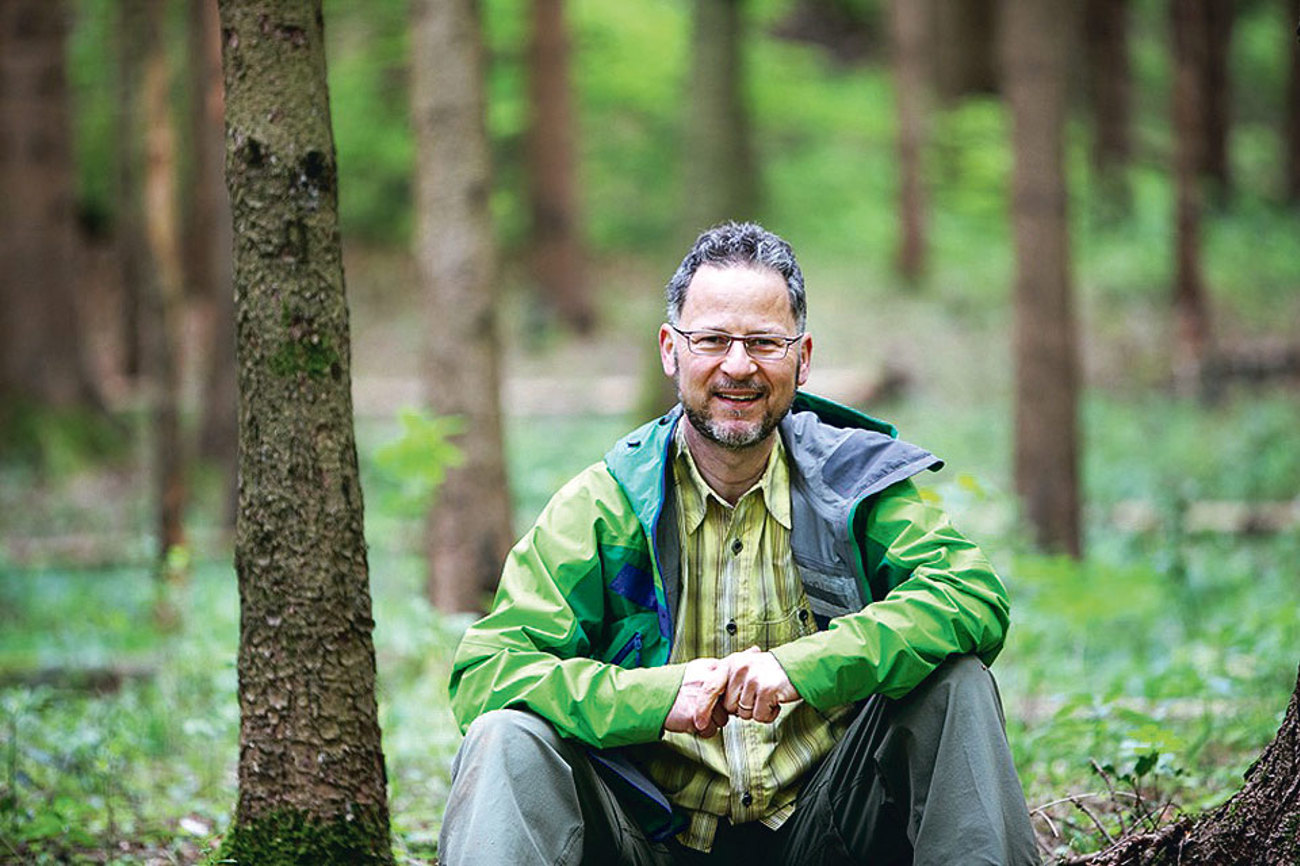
point(711, 341)
point(764, 344)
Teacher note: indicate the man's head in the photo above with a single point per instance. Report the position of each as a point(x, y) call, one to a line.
point(733, 244)
point(738, 281)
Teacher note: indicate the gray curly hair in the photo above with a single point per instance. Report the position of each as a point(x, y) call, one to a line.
point(733, 244)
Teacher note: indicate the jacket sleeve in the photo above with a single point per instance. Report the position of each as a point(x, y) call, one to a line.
point(944, 599)
point(531, 650)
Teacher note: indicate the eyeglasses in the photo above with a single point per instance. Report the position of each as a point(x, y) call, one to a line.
point(760, 347)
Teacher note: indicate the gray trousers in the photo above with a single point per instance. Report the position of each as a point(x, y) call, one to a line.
point(926, 779)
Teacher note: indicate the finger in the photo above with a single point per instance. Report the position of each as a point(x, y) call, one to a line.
point(766, 710)
point(720, 716)
point(710, 693)
point(747, 700)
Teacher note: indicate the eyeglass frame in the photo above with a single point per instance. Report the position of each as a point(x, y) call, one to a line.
point(744, 340)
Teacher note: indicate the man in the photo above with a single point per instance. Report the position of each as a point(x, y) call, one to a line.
point(743, 636)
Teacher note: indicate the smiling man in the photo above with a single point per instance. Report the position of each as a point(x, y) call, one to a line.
point(743, 636)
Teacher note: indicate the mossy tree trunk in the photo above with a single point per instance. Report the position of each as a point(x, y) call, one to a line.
point(1258, 826)
point(556, 242)
point(469, 524)
point(312, 786)
point(1047, 365)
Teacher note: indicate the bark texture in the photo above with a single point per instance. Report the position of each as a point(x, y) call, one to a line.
point(721, 172)
point(311, 768)
point(469, 524)
point(42, 351)
point(208, 242)
point(1047, 365)
point(556, 243)
point(1191, 343)
point(1106, 28)
point(908, 27)
point(1258, 826)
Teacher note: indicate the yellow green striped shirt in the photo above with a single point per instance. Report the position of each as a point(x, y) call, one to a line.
point(739, 588)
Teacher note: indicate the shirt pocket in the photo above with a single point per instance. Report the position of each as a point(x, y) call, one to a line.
point(786, 626)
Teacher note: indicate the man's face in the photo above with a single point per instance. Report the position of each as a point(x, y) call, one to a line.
point(732, 399)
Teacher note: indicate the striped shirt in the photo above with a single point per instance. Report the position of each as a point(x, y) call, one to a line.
point(739, 588)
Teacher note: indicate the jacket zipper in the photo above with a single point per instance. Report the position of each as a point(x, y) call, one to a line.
point(632, 645)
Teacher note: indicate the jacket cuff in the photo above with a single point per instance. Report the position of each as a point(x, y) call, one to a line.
point(804, 662)
point(647, 695)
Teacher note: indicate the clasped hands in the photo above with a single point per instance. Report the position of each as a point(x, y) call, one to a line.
point(749, 684)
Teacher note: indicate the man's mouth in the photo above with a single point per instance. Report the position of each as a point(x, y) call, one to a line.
point(738, 396)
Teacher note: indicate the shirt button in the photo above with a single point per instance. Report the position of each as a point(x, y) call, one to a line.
point(737, 546)
point(747, 799)
point(731, 627)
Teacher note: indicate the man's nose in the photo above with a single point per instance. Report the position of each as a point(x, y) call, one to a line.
point(737, 361)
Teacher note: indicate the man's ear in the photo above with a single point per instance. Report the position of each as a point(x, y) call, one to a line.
point(805, 360)
point(667, 350)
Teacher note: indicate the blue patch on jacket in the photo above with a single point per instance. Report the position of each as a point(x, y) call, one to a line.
point(636, 585)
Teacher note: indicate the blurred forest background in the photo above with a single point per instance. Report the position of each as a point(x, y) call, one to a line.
point(1055, 249)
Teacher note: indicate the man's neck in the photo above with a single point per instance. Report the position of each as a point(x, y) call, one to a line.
point(729, 472)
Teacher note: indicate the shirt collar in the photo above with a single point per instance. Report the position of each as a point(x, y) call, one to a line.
point(693, 492)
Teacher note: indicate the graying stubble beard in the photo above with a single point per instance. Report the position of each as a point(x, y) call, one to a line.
point(737, 440)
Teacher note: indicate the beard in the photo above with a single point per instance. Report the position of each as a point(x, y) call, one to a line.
point(732, 437)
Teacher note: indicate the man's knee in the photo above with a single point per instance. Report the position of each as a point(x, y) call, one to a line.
point(963, 680)
point(509, 736)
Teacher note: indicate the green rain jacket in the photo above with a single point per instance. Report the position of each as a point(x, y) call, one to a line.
point(581, 628)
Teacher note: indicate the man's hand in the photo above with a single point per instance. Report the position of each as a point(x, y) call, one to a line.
point(698, 707)
point(757, 686)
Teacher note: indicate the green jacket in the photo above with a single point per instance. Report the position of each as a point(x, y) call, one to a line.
point(581, 629)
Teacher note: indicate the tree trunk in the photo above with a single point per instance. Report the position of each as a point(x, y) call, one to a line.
point(469, 524)
point(42, 350)
point(965, 54)
point(1047, 366)
point(1217, 97)
point(1191, 308)
point(1106, 37)
point(908, 25)
point(721, 172)
point(165, 299)
point(1292, 145)
point(208, 244)
point(1258, 826)
point(556, 242)
point(129, 237)
point(311, 768)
